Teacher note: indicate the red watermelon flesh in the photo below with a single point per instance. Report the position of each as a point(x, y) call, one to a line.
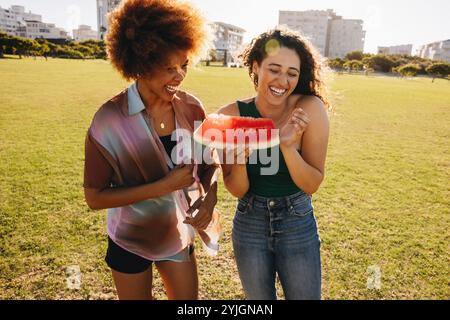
point(220, 131)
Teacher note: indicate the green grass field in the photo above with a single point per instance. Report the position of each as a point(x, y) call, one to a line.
point(385, 201)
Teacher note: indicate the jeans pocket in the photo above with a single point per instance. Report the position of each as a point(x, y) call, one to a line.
point(301, 213)
point(301, 207)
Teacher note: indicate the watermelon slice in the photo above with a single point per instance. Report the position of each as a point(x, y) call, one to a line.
point(226, 132)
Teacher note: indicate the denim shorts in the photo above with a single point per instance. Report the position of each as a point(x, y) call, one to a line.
point(123, 261)
point(277, 236)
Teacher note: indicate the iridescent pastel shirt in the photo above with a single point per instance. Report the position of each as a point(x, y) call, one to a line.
point(154, 228)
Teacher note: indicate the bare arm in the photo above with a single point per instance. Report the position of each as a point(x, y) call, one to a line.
point(120, 197)
point(308, 168)
point(98, 199)
point(235, 179)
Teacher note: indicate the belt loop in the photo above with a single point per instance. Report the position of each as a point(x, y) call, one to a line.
point(288, 202)
point(250, 201)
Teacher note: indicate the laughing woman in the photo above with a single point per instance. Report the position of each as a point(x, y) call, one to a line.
point(129, 163)
point(274, 229)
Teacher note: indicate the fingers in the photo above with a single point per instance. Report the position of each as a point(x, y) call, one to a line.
point(238, 155)
point(187, 170)
point(243, 152)
point(195, 206)
point(299, 114)
point(186, 167)
point(200, 221)
point(300, 120)
point(205, 206)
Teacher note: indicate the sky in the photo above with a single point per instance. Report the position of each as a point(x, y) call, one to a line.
point(386, 22)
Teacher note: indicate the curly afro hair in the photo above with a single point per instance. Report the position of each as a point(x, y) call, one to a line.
point(311, 74)
point(143, 33)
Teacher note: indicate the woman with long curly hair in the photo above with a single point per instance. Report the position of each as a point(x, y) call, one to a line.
point(133, 166)
point(274, 228)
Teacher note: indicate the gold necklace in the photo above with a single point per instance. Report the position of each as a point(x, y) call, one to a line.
point(162, 125)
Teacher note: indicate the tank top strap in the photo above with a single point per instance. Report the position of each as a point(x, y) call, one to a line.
point(248, 109)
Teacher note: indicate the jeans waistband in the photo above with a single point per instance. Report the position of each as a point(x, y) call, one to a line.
point(251, 199)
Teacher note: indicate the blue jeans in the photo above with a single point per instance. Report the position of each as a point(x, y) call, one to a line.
point(277, 236)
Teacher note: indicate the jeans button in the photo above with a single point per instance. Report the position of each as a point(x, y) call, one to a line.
point(271, 203)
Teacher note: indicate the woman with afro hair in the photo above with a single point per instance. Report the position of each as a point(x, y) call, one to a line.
point(133, 162)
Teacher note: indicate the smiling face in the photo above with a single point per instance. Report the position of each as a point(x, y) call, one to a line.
point(278, 75)
point(164, 82)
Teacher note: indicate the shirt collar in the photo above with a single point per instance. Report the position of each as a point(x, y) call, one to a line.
point(135, 104)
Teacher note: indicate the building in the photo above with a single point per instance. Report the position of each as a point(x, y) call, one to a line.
point(34, 29)
point(8, 22)
point(313, 24)
point(228, 39)
point(16, 22)
point(332, 35)
point(84, 32)
point(346, 35)
point(15, 17)
point(104, 7)
point(405, 49)
point(436, 51)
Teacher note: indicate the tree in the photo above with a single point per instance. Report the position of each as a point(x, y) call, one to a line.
point(353, 65)
point(368, 71)
point(44, 48)
point(4, 42)
point(86, 51)
point(24, 47)
point(336, 64)
point(354, 55)
point(439, 70)
point(408, 70)
point(97, 47)
point(379, 62)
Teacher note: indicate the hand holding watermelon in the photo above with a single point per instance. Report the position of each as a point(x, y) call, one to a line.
point(238, 155)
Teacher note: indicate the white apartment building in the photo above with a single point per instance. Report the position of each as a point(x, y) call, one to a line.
point(15, 17)
point(34, 29)
point(227, 37)
point(15, 21)
point(436, 51)
point(227, 41)
point(313, 24)
point(346, 35)
point(104, 7)
point(84, 32)
point(332, 35)
point(405, 49)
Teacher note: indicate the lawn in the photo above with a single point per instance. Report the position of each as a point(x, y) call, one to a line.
point(385, 201)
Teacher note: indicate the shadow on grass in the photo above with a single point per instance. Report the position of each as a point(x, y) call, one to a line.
point(9, 57)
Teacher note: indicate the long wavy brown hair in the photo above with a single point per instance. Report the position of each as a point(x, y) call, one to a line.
point(311, 81)
point(143, 33)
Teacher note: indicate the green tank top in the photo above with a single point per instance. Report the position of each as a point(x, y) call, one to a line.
point(277, 185)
